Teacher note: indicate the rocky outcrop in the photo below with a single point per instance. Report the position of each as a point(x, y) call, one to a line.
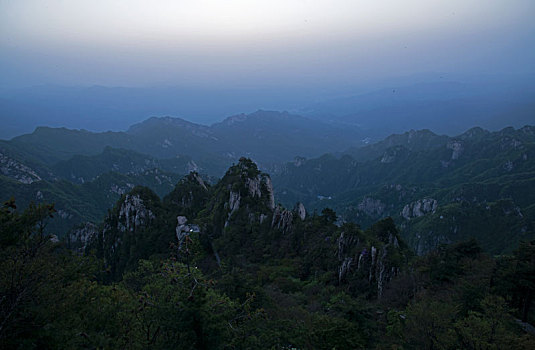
point(253, 186)
point(507, 143)
point(120, 190)
point(371, 206)
point(345, 245)
point(428, 241)
point(282, 219)
point(192, 166)
point(300, 210)
point(392, 154)
point(269, 188)
point(508, 166)
point(133, 214)
point(196, 177)
point(457, 148)
point(183, 230)
point(79, 238)
point(419, 208)
point(298, 161)
point(233, 205)
point(250, 190)
point(63, 214)
point(257, 185)
point(16, 170)
point(369, 262)
point(344, 268)
point(123, 238)
point(384, 271)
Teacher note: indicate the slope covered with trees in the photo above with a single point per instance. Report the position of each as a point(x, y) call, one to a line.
point(212, 148)
point(224, 267)
point(438, 189)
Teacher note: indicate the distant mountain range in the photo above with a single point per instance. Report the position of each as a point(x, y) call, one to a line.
point(84, 173)
point(441, 102)
point(448, 107)
point(439, 189)
point(266, 137)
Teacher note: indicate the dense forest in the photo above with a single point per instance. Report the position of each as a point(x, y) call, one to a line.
point(225, 267)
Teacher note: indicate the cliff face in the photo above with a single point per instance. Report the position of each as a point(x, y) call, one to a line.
point(183, 229)
point(282, 219)
point(375, 256)
point(243, 195)
point(126, 232)
point(133, 214)
point(79, 238)
point(14, 169)
point(419, 208)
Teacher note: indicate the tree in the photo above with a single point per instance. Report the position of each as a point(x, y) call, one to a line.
point(178, 308)
point(328, 215)
point(488, 329)
point(429, 324)
point(525, 276)
point(24, 265)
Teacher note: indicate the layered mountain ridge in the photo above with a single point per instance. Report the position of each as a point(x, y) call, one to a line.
point(438, 188)
point(213, 148)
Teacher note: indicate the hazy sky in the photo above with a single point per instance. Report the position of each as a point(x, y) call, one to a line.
point(256, 43)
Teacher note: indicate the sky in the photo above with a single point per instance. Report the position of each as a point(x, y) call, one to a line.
point(264, 43)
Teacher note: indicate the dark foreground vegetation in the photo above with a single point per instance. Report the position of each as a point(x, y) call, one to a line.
point(223, 267)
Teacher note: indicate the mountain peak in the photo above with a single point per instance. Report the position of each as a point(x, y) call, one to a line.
point(246, 168)
point(413, 139)
point(257, 115)
point(165, 122)
point(244, 179)
point(235, 119)
point(474, 132)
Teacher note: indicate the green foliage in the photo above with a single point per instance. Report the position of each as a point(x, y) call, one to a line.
point(82, 168)
point(245, 283)
point(489, 329)
point(188, 197)
point(515, 279)
point(178, 308)
point(428, 324)
point(77, 203)
point(485, 189)
point(51, 300)
point(328, 215)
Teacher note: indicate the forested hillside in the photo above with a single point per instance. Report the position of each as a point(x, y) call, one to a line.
point(268, 137)
point(438, 189)
point(225, 267)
